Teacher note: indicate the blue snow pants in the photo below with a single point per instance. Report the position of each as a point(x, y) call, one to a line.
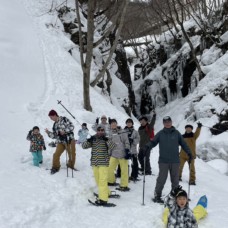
point(37, 157)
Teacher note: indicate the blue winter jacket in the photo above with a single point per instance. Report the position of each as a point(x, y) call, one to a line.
point(169, 140)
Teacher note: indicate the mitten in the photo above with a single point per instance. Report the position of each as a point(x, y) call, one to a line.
point(97, 120)
point(199, 125)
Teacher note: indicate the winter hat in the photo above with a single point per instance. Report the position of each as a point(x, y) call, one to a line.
point(113, 121)
point(143, 118)
point(182, 193)
point(52, 113)
point(167, 118)
point(189, 125)
point(129, 121)
point(103, 117)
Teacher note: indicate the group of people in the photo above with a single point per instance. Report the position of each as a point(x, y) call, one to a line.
point(112, 146)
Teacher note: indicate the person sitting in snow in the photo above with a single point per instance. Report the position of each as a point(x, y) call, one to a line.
point(190, 138)
point(100, 161)
point(177, 212)
point(36, 145)
point(83, 133)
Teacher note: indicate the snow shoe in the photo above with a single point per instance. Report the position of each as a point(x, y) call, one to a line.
point(101, 203)
point(123, 189)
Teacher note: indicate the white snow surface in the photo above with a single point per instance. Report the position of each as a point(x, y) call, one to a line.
point(36, 71)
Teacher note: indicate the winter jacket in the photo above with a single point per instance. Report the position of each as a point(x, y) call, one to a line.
point(190, 139)
point(100, 147)
point(133, 137)
point(169, 140)
point(37, 142)
point(104, 126)
point(145, 132)
point(179, 217)
point(82, 133)
point(63, 124)
point(120, 138)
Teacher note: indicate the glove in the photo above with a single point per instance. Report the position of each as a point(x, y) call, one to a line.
point(189, 158)
point(109, 120)
point(91, 139)
point(105, 139)
point(144, 150)
point(97, 120)
point(128, 154)
point(131, 140)
point(174, 192)
point(199, 125)
point(44, 147)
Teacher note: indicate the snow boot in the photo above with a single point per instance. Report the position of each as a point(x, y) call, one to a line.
point(192, 183)
point(101, 202)
point(113, 184)
point(53, 171)
point(158, 199)
point(123, 189)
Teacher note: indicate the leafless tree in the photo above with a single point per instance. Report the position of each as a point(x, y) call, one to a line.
point(116, 14)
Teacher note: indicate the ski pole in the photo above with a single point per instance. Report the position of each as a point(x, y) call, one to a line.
point(189, 181)
point(60, 102)
point(66, 159)
point(144, 179)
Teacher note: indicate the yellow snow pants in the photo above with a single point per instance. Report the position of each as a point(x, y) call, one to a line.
point(124, 171)
point(101, 178)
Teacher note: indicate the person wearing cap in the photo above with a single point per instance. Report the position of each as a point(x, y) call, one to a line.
point(82, 133)
point(133, 137)
point(169, 140)
point(190, 138)
point(62, 131)
point(146, 133)
point(103, 124)
point(118, 156)
point(177, 212)
point(100, 161)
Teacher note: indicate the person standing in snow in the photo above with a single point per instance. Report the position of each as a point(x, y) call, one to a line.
point(64, 135)
point(133, 137)
point(119, 155)
point(100, 162)
point(104, 124)
point(146, 133)
point(36, 145)
point(83, 133)
point(169, 140)
point(190, 138)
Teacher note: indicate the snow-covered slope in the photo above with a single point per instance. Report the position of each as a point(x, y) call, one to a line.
point(36, 71)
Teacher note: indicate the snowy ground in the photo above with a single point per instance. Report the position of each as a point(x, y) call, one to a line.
point(36, 71)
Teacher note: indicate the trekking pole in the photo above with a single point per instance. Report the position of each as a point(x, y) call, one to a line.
point(189, 181)
point(59, 102)
point(144, 179)
point(66, 159)
point(70, 158)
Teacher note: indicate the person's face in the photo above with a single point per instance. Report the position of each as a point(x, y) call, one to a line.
point(143, 122)
point(36, 131)
point(103, 120)
point(181, 201)
point(113, 125)
point(188, 129)
point(54, 118)
point(129, 124)
point(167, 123)
point(100, 132)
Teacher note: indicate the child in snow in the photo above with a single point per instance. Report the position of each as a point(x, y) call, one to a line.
point(36, 145)
point(83, 133)
point(177, 212)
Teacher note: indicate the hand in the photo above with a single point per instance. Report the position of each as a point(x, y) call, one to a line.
point(109, 120)
point(105, 138)
point(46, 130)
point(128, 154)
point(199, 125)
point(44, 147)
point(91, 139)
point(97, 120)
point(153, 112)
point(175, 191)
point(30, 132)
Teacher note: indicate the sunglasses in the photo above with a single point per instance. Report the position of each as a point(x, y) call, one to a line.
point(100, 130)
